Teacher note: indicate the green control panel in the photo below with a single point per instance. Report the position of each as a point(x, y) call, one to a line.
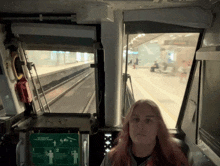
point(50, 149)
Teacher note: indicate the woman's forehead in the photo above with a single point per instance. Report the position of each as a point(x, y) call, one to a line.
point(143, 110)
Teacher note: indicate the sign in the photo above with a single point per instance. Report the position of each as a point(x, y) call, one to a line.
point(55, 149)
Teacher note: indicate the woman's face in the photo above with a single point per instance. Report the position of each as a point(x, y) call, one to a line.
point(143, 125)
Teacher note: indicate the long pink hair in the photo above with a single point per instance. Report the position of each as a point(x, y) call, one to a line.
point(166, 151)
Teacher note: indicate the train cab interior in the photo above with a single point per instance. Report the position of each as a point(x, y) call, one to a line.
point(71, 69)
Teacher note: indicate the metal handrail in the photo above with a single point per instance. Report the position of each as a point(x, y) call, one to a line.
point(18, 152)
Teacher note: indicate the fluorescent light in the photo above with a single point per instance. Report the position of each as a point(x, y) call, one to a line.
point(188, 35)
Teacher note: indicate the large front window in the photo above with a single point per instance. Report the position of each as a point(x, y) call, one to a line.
point(159, 66)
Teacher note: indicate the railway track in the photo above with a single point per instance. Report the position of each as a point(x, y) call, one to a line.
point(58, 91)
point(55, 93)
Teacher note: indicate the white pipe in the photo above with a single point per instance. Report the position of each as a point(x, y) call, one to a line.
point(112, 40)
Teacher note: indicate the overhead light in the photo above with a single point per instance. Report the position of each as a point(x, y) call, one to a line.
point(139, 35)
point(171, 35)
point(153, 41)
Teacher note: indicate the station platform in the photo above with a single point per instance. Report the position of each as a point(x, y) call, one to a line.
point(41, 70)
point(165, 90)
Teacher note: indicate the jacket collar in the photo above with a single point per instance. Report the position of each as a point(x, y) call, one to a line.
point(133, 161)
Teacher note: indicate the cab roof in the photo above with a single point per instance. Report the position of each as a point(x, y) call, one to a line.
point(72, 6)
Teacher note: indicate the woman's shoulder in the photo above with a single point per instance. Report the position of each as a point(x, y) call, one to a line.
point(106, 161)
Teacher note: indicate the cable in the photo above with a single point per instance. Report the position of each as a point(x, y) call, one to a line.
point(131, 86)
point(34, 85)
point(41, 88)
point(125, 75)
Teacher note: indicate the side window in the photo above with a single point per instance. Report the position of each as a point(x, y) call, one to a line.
point(61, 76)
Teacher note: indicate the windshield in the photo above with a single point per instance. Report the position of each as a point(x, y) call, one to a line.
point(159, 66)
point(66, 79)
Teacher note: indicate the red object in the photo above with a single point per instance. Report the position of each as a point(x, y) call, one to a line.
point(23, 90)
point(150, 162)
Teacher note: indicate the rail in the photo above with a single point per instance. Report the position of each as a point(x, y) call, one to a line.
point(63, 88)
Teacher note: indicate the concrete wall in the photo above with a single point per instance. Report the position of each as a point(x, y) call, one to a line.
point(57, 58)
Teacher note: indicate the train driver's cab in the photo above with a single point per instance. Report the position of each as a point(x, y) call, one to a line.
point(70, 70)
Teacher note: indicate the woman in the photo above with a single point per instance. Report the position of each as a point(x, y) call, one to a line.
point(144, 140)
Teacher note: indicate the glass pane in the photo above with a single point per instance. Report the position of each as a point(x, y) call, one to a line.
point(159, 65)
point(189, 125)
point(62, 76)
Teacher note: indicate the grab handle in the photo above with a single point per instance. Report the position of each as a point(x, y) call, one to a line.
point(18, 153)
point(85, 143)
